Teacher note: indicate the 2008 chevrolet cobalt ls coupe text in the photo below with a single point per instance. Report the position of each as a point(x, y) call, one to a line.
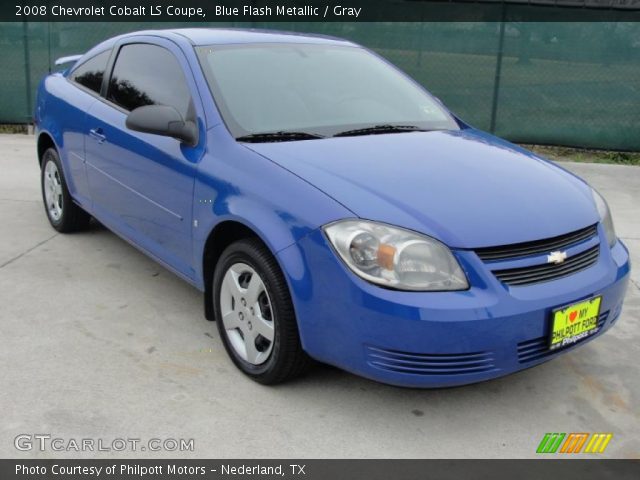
point(328, 207)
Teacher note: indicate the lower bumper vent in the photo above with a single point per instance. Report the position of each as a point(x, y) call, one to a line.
point(430, 364)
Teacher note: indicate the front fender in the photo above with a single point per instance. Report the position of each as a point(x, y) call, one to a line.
point(237, 184)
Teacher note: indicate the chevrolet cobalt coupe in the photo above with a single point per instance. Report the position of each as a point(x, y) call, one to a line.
point(328, 207)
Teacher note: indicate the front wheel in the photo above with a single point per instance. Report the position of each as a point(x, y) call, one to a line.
point(255, 316)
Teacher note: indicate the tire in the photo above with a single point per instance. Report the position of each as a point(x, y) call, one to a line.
point(63, 214)
point(245, 305)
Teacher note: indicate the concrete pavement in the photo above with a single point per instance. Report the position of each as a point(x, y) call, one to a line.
point(98, 341)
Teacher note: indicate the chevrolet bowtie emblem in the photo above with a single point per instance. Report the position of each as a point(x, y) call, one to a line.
point(556, 257)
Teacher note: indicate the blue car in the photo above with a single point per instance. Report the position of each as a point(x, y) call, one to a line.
point(328, 207)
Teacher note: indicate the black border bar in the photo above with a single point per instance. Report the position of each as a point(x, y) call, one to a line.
point(207, 11)
point(301, 469)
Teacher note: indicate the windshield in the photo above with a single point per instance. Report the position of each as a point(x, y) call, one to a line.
point(321, 90)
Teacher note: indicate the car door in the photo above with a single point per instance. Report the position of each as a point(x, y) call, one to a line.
point(142, 184)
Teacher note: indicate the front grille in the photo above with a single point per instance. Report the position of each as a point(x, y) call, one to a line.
point(536, 247)
point(430, 364)
point(548, 271)
point(538, 348)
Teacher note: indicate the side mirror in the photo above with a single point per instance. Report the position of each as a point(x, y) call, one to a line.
point(163, 120)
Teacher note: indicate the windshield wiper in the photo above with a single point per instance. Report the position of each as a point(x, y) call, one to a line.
point(277, 137)
point(379, 129)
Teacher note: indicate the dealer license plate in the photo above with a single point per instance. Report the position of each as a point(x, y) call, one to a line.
point(573, 323)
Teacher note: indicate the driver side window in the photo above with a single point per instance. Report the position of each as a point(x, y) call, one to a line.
point(147, 74)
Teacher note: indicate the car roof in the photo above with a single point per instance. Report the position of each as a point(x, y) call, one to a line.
point(227, 36)
point(216, 36)
point(219, 36)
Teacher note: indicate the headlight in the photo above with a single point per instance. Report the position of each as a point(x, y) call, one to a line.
point(394, 257)
point(605, 217)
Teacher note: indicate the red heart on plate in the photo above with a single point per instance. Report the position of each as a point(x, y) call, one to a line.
point(573, 315)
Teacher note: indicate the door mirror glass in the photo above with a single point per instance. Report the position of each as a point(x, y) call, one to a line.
point(163, 120)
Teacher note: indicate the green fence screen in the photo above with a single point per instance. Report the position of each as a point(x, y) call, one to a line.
point(558, 83)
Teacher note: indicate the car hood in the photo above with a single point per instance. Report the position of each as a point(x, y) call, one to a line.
point(466, 188)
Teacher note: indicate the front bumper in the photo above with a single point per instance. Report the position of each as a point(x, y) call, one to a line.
point(438, 339)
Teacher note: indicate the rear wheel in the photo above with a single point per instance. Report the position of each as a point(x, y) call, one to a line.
point(255, 316)
point(63, 214)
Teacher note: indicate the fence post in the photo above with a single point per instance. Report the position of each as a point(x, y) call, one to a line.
point(49, 46)
point(27, 70)
point(496, 81)
point(421, 46)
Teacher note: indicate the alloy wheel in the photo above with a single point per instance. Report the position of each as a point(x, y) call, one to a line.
point(53, 190)
point(247, 313)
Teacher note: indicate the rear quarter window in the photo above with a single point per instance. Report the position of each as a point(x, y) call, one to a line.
point(90, 73)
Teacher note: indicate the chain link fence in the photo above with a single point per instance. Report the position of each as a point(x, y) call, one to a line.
point(575, 84)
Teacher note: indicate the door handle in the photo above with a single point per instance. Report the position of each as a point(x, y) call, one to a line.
point(96, 133)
